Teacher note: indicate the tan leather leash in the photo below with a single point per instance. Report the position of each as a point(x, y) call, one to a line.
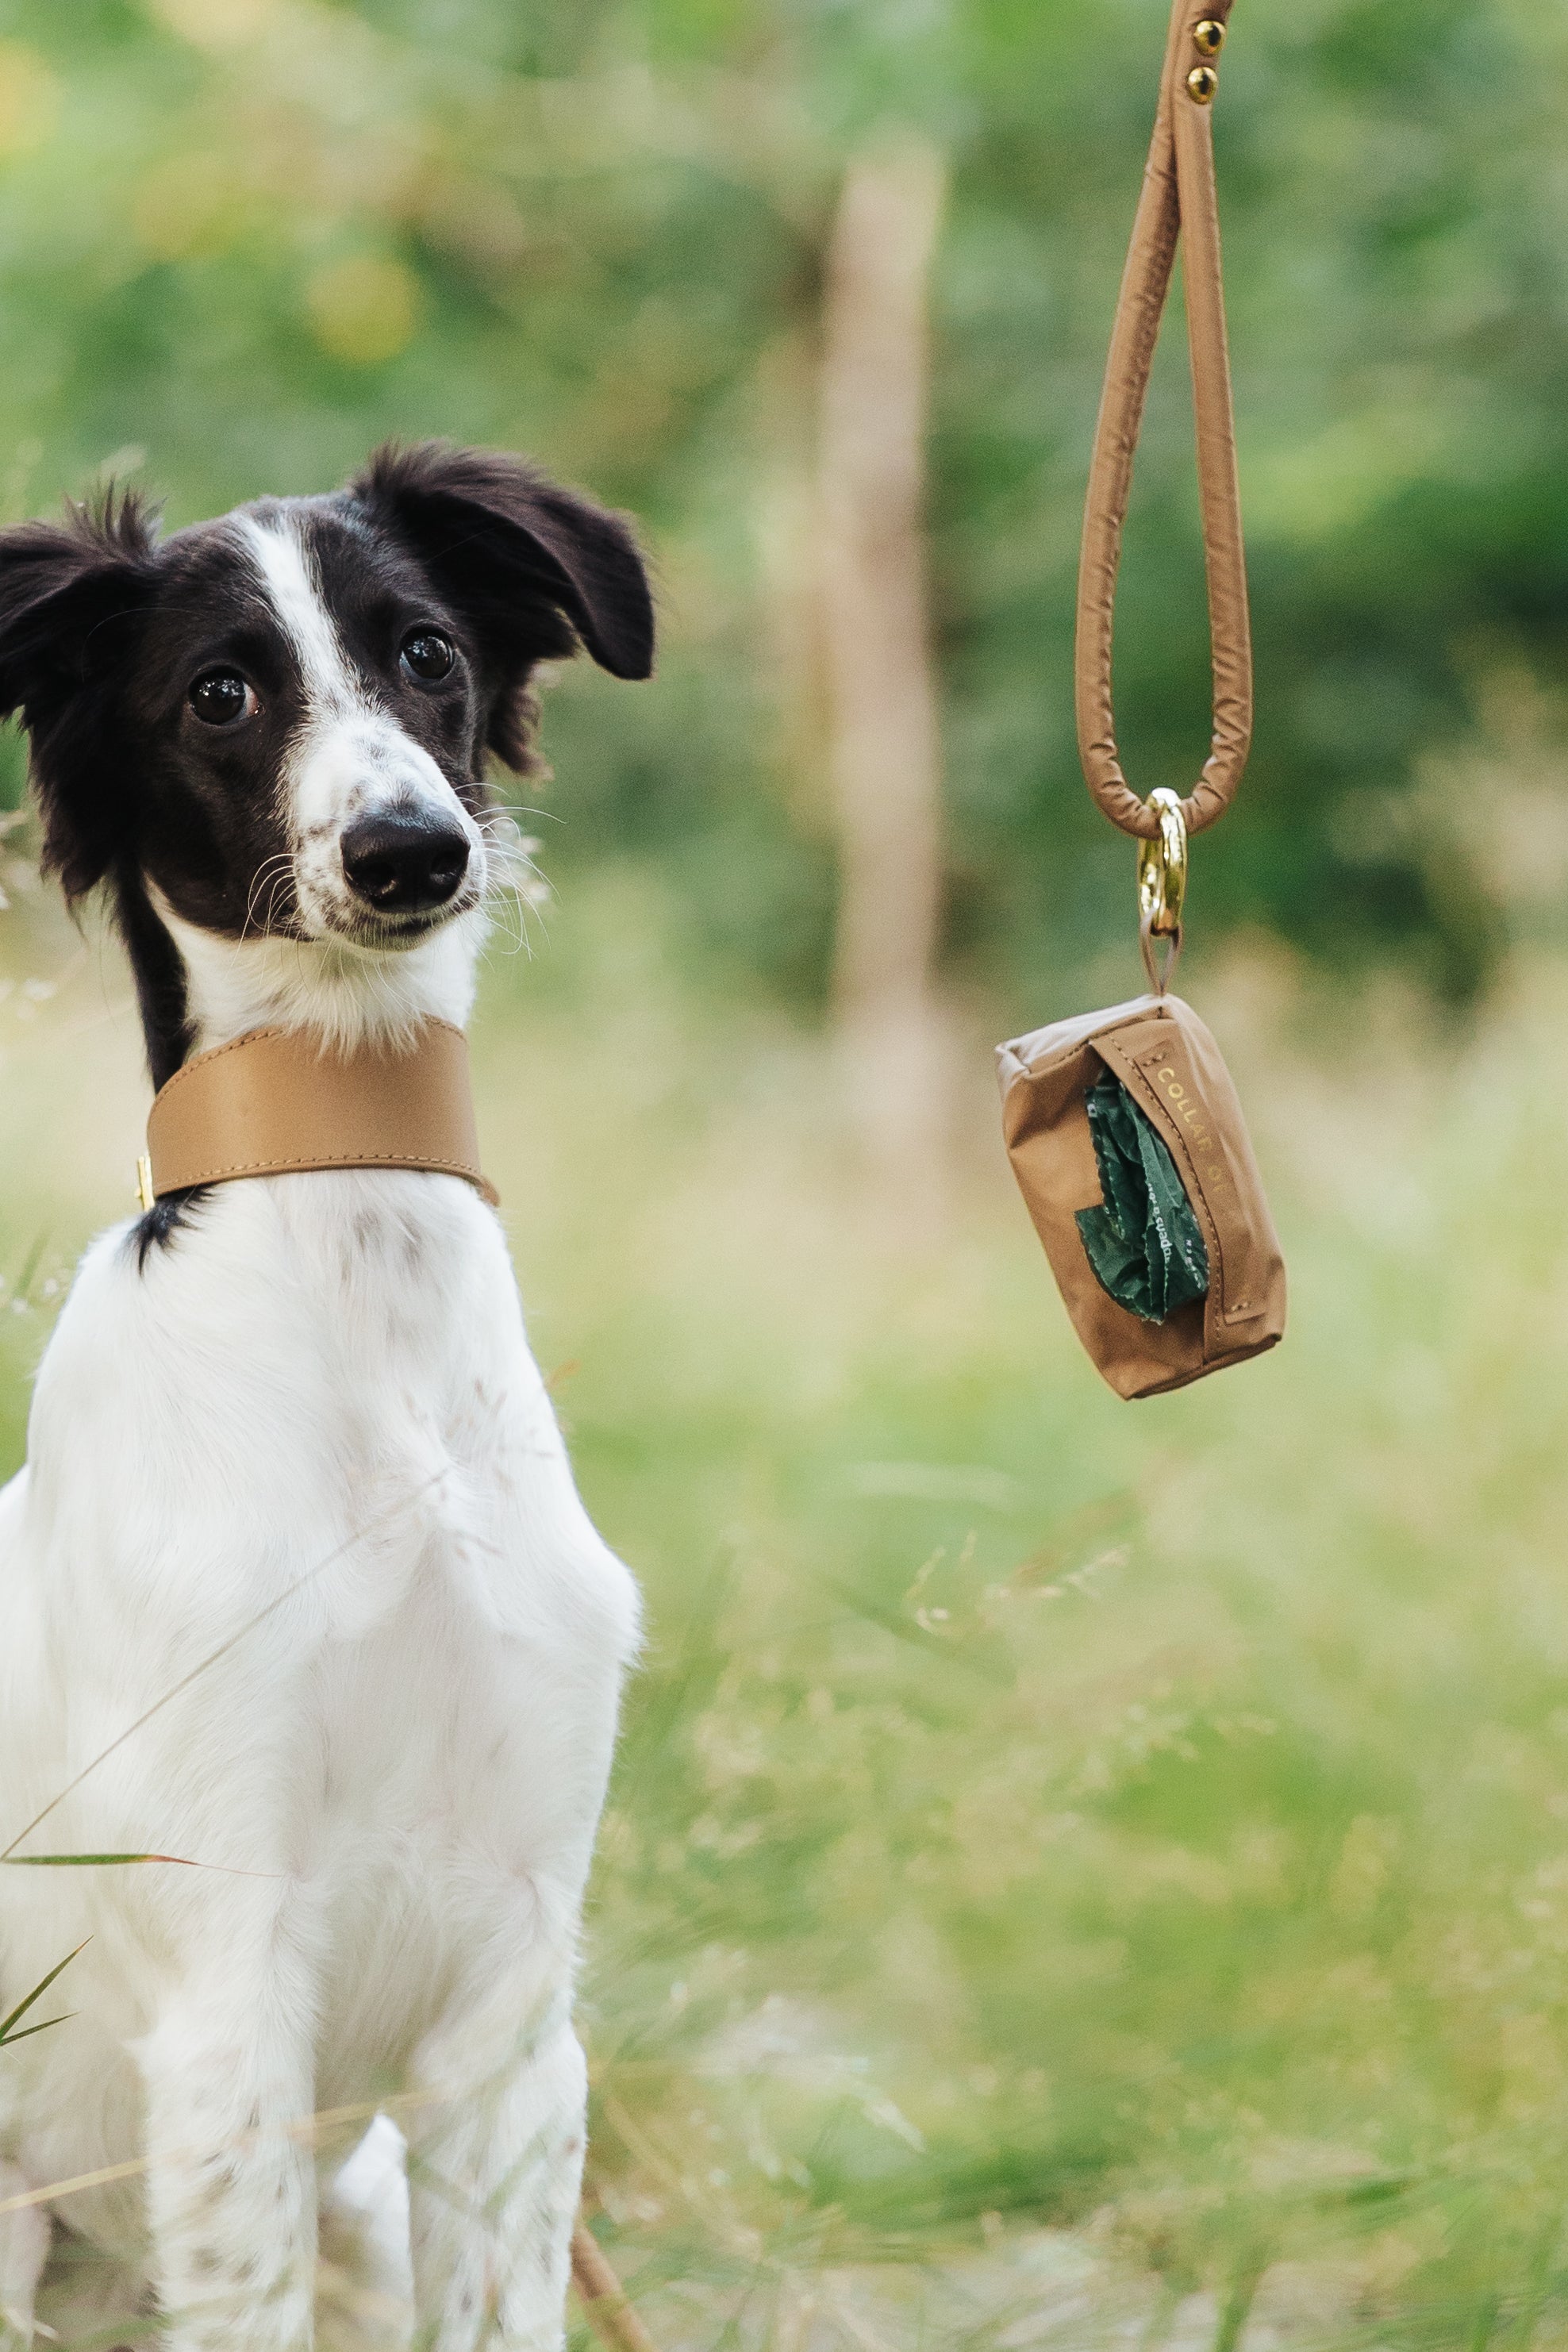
point(1177, 201)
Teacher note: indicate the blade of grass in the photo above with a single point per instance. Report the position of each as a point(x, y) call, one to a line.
point(31, 1263)
point(20, 2011)
point(1486, 2323)
point(1246, 2280)
point(865, 1605)
point(93, 1861)
point(115, 1861)
point(1539, 2286)
point(64, 2019)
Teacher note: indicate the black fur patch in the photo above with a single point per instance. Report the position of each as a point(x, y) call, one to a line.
point(159, 974)
point(156, 1227)
point(531, 568)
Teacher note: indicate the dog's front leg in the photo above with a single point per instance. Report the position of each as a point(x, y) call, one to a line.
point(231, 2180)
point(495, 2171)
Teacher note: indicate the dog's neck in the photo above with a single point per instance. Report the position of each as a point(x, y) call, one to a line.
point(197, 989)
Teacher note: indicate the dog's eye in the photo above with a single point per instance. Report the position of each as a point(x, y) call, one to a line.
point(221, 695)
point(427, 655)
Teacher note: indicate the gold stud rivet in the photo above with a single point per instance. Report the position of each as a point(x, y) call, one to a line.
point(1203, 81)
point(1208, 37)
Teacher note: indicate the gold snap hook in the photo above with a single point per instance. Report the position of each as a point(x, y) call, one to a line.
point(1163, 885)
point(145, 1193)
point(1208, 37)
point(1203, 81)
point(1163, 866)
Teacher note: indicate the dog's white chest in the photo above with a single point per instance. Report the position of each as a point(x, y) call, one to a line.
point(323, 1460)
point(462, 1591)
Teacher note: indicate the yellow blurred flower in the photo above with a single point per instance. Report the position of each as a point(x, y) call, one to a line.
point(363, 310)
point(29, 99)
point(186, 204)
point(213, 24)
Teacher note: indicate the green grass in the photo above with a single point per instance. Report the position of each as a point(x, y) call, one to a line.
point(1108, 1861)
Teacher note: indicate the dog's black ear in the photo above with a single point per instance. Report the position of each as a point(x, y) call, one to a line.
point(535, 570)
point(66, 598)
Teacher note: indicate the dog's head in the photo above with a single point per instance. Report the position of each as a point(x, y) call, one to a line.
point(278, 722)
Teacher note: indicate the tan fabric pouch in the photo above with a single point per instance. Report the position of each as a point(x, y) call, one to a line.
point(1170, 1065)
point(1202, 1272)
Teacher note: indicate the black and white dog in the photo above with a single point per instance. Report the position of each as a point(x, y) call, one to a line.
point(265, 737)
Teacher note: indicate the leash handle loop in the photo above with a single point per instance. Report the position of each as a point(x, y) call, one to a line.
point(1177, 201)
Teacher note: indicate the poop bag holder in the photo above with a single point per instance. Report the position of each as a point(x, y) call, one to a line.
point(1128, 1145)
point(1123, 1126)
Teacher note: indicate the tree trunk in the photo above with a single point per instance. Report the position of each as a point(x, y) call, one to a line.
point(885, 754)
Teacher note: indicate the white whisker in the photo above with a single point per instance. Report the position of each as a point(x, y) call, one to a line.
point(269, 873)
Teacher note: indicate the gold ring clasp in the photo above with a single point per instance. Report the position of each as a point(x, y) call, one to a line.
point(1162, 886)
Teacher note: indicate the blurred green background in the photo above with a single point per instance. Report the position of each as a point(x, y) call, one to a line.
point(243, 239)
point(1077, 1874)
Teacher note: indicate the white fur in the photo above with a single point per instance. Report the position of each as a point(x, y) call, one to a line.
point(312, 1430)
point(348, 759)
point(347, 993)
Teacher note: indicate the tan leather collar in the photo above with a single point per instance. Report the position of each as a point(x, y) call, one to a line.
point(277, 1100)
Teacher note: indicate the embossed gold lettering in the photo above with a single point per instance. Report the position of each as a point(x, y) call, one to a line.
point(1186, 1108)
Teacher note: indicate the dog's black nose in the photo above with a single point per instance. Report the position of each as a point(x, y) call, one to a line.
point(401, 864)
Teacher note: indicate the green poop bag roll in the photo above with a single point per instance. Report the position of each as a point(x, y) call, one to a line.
point(1143, 1240)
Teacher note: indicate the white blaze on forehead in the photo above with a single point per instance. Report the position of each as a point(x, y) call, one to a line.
point(349, 757)
point(294, 594)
